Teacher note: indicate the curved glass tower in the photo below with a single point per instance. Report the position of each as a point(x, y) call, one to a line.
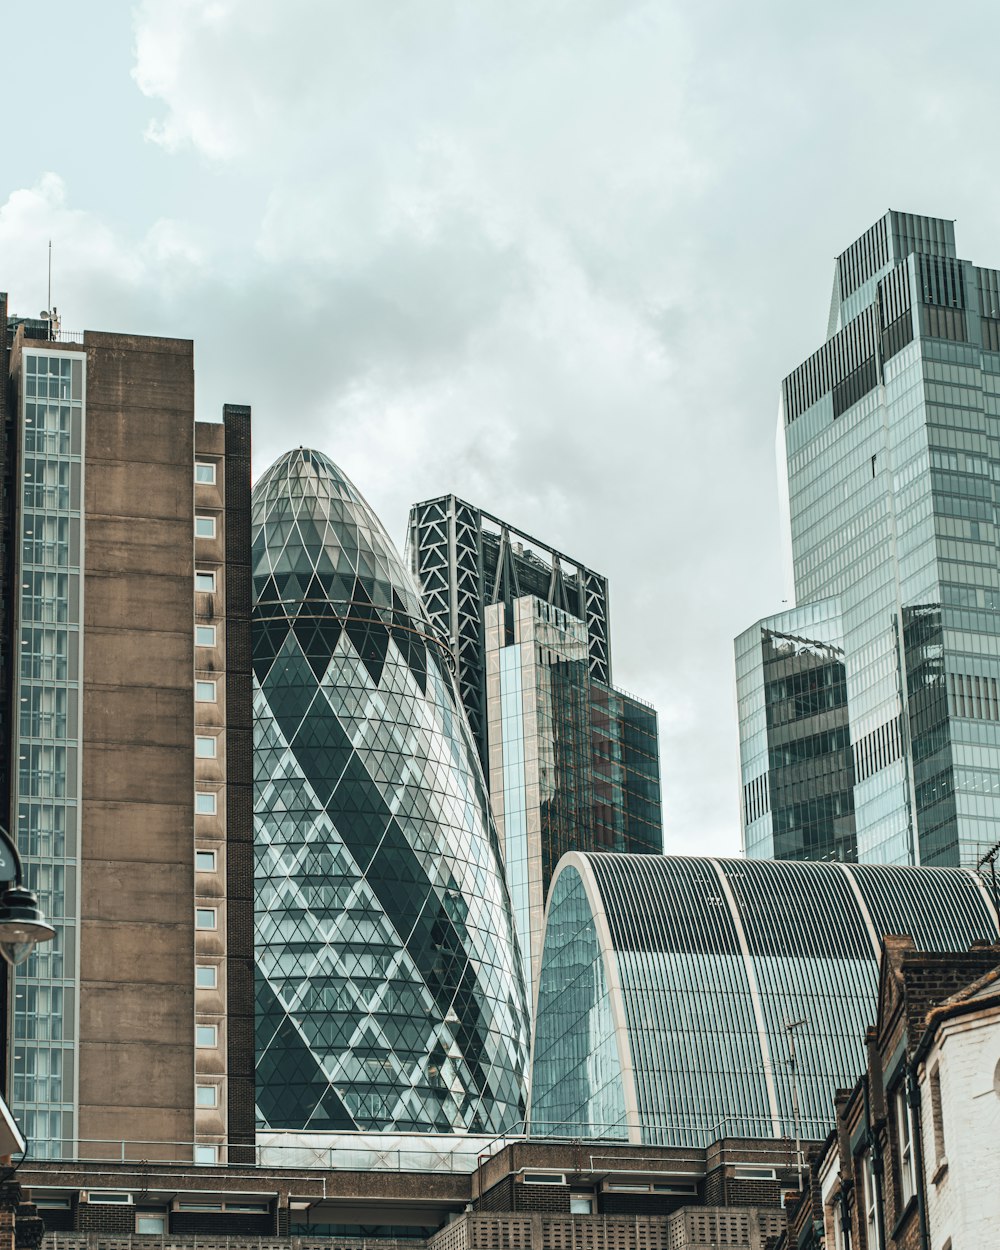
point(389, 991)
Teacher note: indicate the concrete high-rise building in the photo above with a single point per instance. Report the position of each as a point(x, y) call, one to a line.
point(125, 709)
point(572, 762)
point(389, 990)
point(889, 433)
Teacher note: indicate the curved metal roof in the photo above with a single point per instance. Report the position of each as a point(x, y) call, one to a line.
point(669, 985)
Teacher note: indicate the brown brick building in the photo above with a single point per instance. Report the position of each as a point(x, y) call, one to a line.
point(125, 721)
point(880, 1181)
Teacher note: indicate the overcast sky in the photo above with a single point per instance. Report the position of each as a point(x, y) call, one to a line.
point(554, 256)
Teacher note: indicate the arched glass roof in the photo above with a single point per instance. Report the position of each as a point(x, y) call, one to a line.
point(685, 978)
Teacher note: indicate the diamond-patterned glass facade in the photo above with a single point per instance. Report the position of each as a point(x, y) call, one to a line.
point(389, 989)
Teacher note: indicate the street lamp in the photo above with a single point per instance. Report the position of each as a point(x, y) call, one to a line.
point(22, 922)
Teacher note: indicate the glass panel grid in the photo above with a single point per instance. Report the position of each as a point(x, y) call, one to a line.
point(46, 780)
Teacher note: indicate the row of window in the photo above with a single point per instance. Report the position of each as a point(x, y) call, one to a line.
point(205, 804)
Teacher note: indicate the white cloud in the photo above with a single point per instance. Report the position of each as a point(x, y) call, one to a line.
point(554, 256)
point(94, 268)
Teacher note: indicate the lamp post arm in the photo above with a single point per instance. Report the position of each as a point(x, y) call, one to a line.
point(11, 846)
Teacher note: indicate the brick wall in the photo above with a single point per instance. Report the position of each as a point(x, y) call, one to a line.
point(964, 1200)
point(105, 1217)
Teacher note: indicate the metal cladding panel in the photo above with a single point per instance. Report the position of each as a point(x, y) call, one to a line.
point(715, 959)
point(940, 908)
point(389, 993)
point(813, 960)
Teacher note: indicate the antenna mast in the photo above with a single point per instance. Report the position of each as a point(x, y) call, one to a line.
point(51, 314)
point(800, 1163)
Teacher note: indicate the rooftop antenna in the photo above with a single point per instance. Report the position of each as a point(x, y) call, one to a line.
point(800, 1162)
point(50, 313)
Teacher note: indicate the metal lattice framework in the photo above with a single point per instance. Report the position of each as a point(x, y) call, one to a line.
point(464, 559)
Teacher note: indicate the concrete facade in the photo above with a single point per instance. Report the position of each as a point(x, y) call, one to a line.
point(136, 1047)
point(100, 673)
point(520, 1195)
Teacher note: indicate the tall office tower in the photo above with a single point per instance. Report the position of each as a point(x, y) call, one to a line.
point(389, 993)
point(126, 745)
point(572, 762)
point(890, 439)
point(795, 737)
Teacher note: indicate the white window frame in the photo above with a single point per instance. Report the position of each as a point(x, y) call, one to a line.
point(211, 855)
point(205, 464)
point(870, 1203)
point(904, 1145)
point(204, 1028)
point(213, 969)
point(206, 752)
point(206, 1156)
point(204, 525)
point(211, 808)
point(151, 1215)
point(203, 913)
point(205, 635)
point(937, 1118)
point(204, 590)
point(204, 682)
point(211, 1089)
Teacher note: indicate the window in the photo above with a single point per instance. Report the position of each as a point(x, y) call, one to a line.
point(754, 1174)
point(204, 580)
point(937, 1116)
point(904, 1146)
point(204, 861)
point(204, 526)
point(870, 1205)
point(206, 918)
point(204, 635)
point(206, 1035)
point(206, 1095)
point(204, 472)
point(204, 748)
point(544, 1178)
point(206, 1154)
point(580, 1204)
point(204, 691)
point(253, 1208)
point(206, 976)
point(111, 1197)
point(840, 1219)
point(152, 1223)
point(205, 803)
point(47, 1202)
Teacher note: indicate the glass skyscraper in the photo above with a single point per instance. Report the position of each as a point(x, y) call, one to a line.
point(798, 796)
point(572, 761)
point(892, 449)
point(389, 988)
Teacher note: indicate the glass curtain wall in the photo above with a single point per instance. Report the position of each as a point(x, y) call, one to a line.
point(48, 708)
